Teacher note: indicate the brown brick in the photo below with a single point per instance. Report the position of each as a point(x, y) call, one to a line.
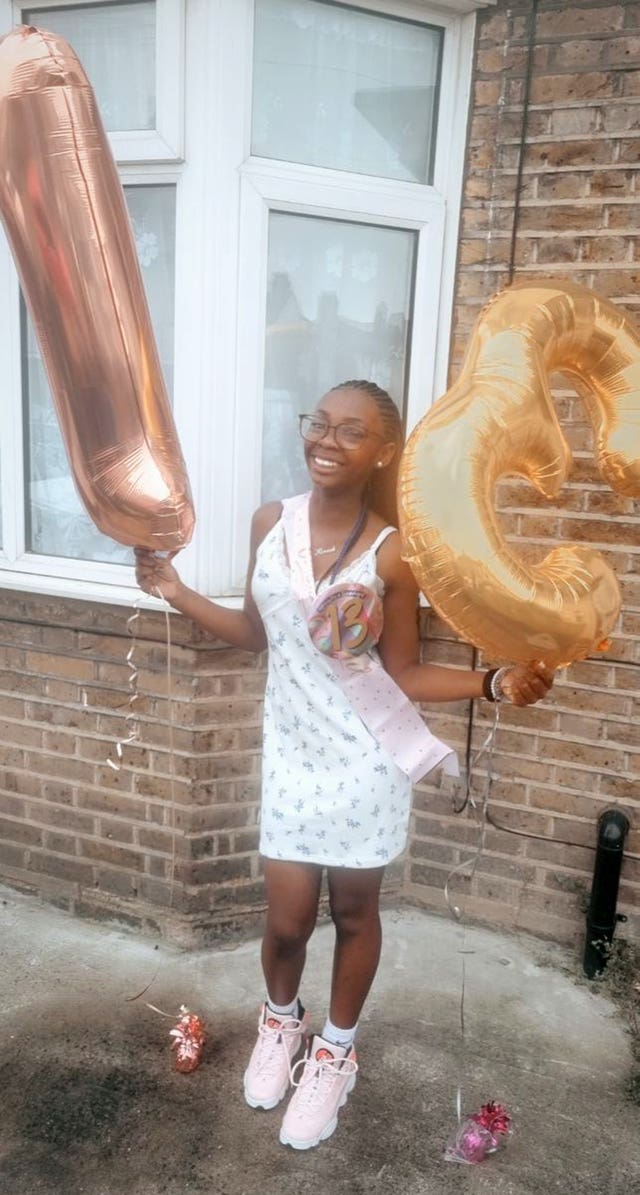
point(73, 771)
point(99, 801)
point(154, 839)
point(12, 707)
point(120, 883)
point(23, 734)
point(59, 742)
point(11, 856)
point(59, 844)
point(20, 831)
point(577, 55)
point(610, 182)
point(599, 531)
point(486, 92)
point(115, 830)
point(13, 805)
point(116, 856)
point(575, 121)
point(605, 248)
point(568, 218)
point(65, 666)
point(493, 27)
point(74, 870)
point(554, 186)
point(246, 840)
point(62, 690)
point(158, 866)
point(214, 871)
point(480, 251)
point(591, 85)
point(61, 715)
point(575, 20)
point(569, 153)
point(623, 51)
point(502, 59)
point(71, 820)
point(555, 250)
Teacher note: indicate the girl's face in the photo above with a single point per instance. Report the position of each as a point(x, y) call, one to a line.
point(363, 445)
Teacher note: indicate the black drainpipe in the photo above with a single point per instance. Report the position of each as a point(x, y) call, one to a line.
point(613, 826)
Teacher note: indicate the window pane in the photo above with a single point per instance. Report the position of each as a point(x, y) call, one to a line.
point(339, 304)
point(57, 524)
point(116, 44)
point(346, 89)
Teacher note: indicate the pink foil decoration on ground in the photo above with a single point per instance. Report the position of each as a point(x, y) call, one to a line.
point(189, 1039)
point(479, 1135)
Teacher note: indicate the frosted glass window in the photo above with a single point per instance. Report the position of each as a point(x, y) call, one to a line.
point(116, 44)
point(346, 89)
point(57, 524)
point(339, 304)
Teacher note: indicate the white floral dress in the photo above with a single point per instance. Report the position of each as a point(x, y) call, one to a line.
point(330, 793)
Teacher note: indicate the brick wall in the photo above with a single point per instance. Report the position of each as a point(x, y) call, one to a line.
point(552, 190)
point(169, 840)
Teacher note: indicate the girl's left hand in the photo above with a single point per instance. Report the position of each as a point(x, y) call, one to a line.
point(524, 684)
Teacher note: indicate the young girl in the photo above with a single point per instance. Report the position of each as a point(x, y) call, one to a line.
point(336, 793)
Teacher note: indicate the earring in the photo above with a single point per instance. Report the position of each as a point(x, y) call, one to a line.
point(378, 464)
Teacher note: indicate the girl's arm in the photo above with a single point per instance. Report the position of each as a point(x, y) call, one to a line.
point(400, 647)
point(240, 628)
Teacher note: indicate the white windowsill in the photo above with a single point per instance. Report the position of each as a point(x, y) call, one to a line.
point(86, 591)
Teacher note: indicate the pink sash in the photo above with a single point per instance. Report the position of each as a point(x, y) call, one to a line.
point(387, 713)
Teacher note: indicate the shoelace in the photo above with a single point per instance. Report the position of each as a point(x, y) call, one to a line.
point(317, 1076)
point(272, 1039)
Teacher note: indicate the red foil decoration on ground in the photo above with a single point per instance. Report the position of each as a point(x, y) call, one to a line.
point(189, 1039)
point(480, 1135)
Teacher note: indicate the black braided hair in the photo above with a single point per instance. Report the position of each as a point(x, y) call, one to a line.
point(381, 492)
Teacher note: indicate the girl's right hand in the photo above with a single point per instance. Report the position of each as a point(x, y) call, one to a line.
point(156, 575)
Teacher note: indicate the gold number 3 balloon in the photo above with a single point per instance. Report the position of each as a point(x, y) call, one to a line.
point(66, 220)
point(499, 419)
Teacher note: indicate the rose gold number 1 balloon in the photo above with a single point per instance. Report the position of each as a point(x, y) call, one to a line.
point(66, 220)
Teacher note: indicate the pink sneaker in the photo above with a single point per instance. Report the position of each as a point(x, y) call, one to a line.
point(328, 1076)
point(266, 1078)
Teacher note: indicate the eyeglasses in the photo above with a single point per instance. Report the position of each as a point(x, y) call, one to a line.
point(347, 435)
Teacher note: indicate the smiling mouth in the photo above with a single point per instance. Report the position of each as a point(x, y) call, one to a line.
point(324, 462)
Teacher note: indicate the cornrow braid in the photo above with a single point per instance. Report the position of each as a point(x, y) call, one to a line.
point(382, 488)
point(389, 413)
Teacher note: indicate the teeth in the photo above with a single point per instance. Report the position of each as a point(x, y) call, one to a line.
point(329, 464)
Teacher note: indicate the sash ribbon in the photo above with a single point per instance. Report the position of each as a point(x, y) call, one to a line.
point(386, 711)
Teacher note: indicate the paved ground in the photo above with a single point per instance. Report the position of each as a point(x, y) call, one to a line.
point(91, 1105)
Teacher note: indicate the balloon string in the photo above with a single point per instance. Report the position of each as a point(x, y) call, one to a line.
point(468, 868)
point(172, 768)
point(131, 719)
point(172, 788)
point(132, 724)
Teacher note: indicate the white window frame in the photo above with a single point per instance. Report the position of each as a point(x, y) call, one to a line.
point(165, 143)
point(223, 200)
point(270, 185)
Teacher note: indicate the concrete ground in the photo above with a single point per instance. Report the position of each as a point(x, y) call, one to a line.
point(90, 1103)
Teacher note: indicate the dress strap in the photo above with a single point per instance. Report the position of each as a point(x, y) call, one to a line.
point(383, 535)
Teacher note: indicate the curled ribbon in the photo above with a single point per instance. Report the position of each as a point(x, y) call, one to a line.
point(468, 868)
point(131, 719)
point(132, 724)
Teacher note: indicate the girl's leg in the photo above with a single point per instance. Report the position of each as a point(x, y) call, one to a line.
point(293, 890)
point(354, 896)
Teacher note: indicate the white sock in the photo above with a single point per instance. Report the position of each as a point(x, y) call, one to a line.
point(337, 1036)
point(285, 1010)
